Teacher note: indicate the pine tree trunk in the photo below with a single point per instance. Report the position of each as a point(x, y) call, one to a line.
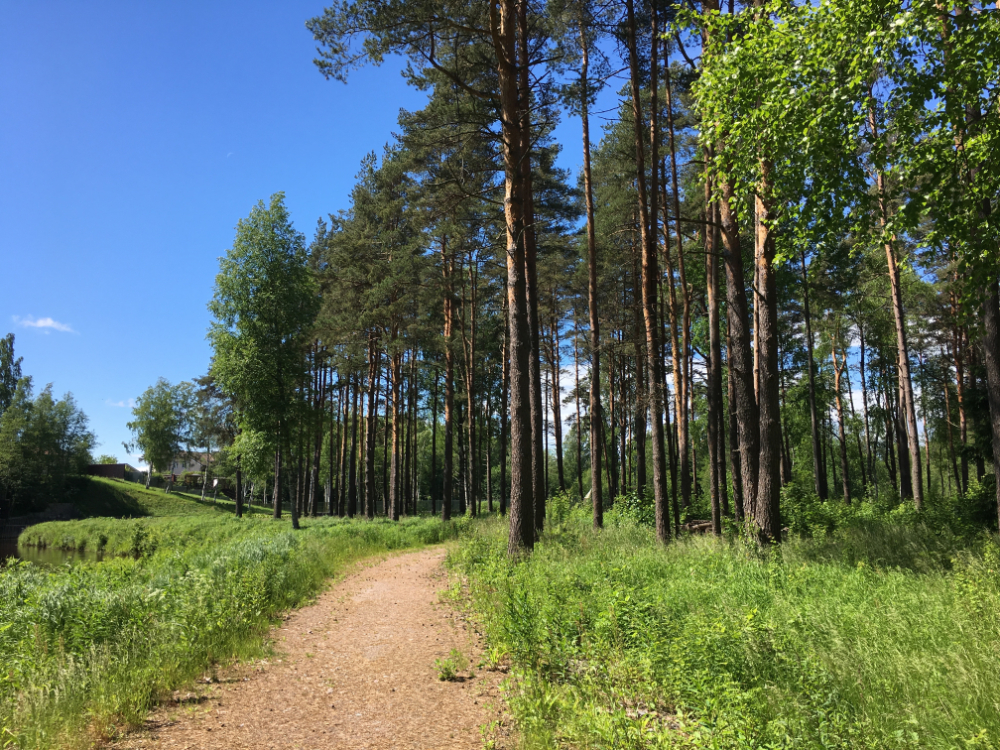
point(716, 458)
point(680, 350)
point(407, 493)
point(596, 439)
point(991, 349)
point(557, 396)
point(344, 452)
point(331, 470)
point(902, 456)
point(538, 459)
point(576, 395)
point(650, 273)
point(503, 25)
point(352, 481)
point(374, 368)
point(890, 427)
point(504, 399)
point(740, 355)
point(434, 434)
point(318, 404)
point(488, 427)
point(767, 511)
point(908, 408)
point(469, 349)
point(395, 468)
point(449, 382)
point(276, 499)
point(735, 463)
point(641, 402)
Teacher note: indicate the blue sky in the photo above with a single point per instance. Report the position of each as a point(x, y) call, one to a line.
point(133, 137)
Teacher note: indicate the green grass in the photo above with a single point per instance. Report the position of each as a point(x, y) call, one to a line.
point(127, 519)
point(98, 497)
point(877, 635)
point(87, 648)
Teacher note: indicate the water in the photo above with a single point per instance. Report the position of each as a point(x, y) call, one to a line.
point(47, 557)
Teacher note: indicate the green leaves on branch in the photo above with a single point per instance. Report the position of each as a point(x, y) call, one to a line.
point(160, 422)
point(264, 306)
point(837, 92)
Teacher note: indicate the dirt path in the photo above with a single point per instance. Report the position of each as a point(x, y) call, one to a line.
point(354, 670)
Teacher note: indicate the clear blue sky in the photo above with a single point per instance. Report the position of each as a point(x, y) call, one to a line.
point(133, 137)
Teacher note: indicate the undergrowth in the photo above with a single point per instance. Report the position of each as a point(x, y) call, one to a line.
point(875, 634)
point(87, 648)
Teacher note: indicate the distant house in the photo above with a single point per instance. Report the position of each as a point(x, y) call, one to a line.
point(187, 463)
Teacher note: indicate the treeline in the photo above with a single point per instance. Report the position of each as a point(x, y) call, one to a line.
point(43, 439)
point(778, 265)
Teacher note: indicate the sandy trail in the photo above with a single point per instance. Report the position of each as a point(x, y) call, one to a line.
point(353, 670)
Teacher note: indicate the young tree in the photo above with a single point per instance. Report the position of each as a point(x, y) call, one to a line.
point(160, 426)
point(264, 306)
point(10, 372)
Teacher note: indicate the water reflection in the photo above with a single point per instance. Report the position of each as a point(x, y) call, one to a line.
point(48, 556)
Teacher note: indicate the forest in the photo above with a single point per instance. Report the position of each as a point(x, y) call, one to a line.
point(775, 273)
point(702, 439)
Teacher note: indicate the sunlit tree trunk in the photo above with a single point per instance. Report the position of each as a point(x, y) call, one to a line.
point(596, 439)
point(449, 382)
point(680, 349)
point(503, 25)
point(716, 442)
point(650, 273)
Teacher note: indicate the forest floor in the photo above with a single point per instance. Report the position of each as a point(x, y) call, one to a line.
point(355, 669)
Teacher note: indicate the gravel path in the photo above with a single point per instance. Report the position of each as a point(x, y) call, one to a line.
point(353, 670)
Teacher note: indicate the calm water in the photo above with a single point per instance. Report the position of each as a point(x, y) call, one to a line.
point(9, 550)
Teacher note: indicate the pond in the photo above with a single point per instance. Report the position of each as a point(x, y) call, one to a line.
point(47, 556)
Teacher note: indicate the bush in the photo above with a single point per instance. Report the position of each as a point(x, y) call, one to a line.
point(633, 508)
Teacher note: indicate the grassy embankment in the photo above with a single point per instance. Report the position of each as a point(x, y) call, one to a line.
point(87, 648)
point(878, 634)
point(127, 519)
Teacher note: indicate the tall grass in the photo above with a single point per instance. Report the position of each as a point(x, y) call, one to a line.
point(87, 648)
point(876, 635)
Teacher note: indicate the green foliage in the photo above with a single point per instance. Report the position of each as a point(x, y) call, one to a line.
point(264, 304)
point(10, 372)
point(87, 648)
point(43, 441)
point(615, 641)
point(632, 508)
point(160, 422)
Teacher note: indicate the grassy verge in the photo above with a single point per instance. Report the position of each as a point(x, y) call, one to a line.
point(87, 649)
point(111, 498)
point(876, 636)
point(127, 519)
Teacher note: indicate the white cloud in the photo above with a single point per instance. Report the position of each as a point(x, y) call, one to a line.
point(46, 324)
point(130, 404)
